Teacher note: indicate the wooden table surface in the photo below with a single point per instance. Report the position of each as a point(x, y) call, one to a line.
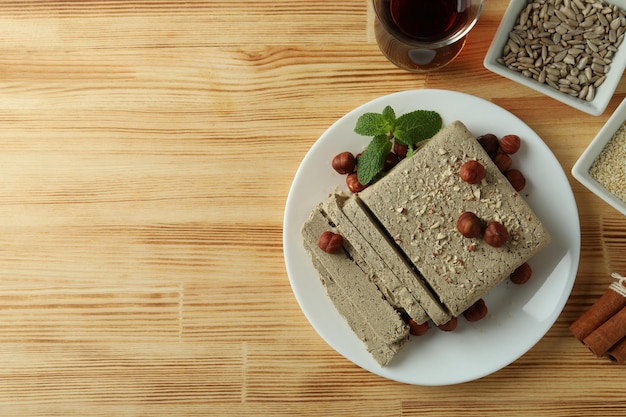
point(146, 153)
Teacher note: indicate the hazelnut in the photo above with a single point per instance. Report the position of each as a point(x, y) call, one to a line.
point(469, 225)
point(391, 160)
point(516, 178)
point(400, 150)
point(330, 242)
point(344, 163)
point(503, 161)
point(472, 172)
point(522, 274)
point(476, 311)
point(449, 325)
point(352, 180)
point(489, 142)
point(415, 328)
point(510, 144)
point(496, 234)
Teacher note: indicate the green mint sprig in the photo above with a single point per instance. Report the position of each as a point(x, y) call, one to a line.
point(385, 127)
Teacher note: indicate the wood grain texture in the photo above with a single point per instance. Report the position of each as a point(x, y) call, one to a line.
point(147, 149)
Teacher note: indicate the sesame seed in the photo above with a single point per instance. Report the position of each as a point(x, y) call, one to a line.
point(609, 168)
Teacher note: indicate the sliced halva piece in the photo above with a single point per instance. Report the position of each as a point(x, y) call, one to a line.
point(381, 350)
point(355, 296)
point(395, 291)
point(395, 260)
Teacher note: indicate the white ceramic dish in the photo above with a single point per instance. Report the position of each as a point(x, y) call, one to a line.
point(580, 170)
point(519, 316)
point(603, 94)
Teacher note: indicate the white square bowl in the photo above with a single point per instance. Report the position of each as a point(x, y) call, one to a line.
point(604, 92)
point(580, 170)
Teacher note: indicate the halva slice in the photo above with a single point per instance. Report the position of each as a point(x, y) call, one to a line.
point(394, 288)
point(396, 261)
point(355, 296)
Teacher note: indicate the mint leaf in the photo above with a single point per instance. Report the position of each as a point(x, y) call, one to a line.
point(370, 124)
point(410, 152)
point(374, 124)
point(389, 115)
point(372, 160)
point(416, 126)
point(407, 129)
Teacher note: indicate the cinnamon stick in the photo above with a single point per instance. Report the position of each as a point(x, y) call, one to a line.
point(608, 334)
point(618, 352)
point(607, 305)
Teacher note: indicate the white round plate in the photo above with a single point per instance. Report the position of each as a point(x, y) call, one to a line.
point(519, 315)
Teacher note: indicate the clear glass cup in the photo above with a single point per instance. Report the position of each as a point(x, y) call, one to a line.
point(424, 35)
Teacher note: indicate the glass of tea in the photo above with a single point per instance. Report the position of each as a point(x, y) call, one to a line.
point(424, 35)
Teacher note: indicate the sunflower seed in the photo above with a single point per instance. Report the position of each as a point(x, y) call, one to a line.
point(583, 92)
point(591, 93)
point(566, 44)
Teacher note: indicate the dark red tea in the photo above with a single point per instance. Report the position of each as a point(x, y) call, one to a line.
point(423, 35)
point(425, 19)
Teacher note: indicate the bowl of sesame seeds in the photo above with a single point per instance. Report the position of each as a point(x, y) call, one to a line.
point(602, 166)
point(569, 50)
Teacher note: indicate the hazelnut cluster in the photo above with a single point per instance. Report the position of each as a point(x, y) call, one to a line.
point(473, 172)
point(500, 151)
point(346, 163)
point(474, 313)
point(472, 226)
point(417, 329)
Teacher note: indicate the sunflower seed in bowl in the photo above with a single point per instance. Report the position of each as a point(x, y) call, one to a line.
point(566, 49)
